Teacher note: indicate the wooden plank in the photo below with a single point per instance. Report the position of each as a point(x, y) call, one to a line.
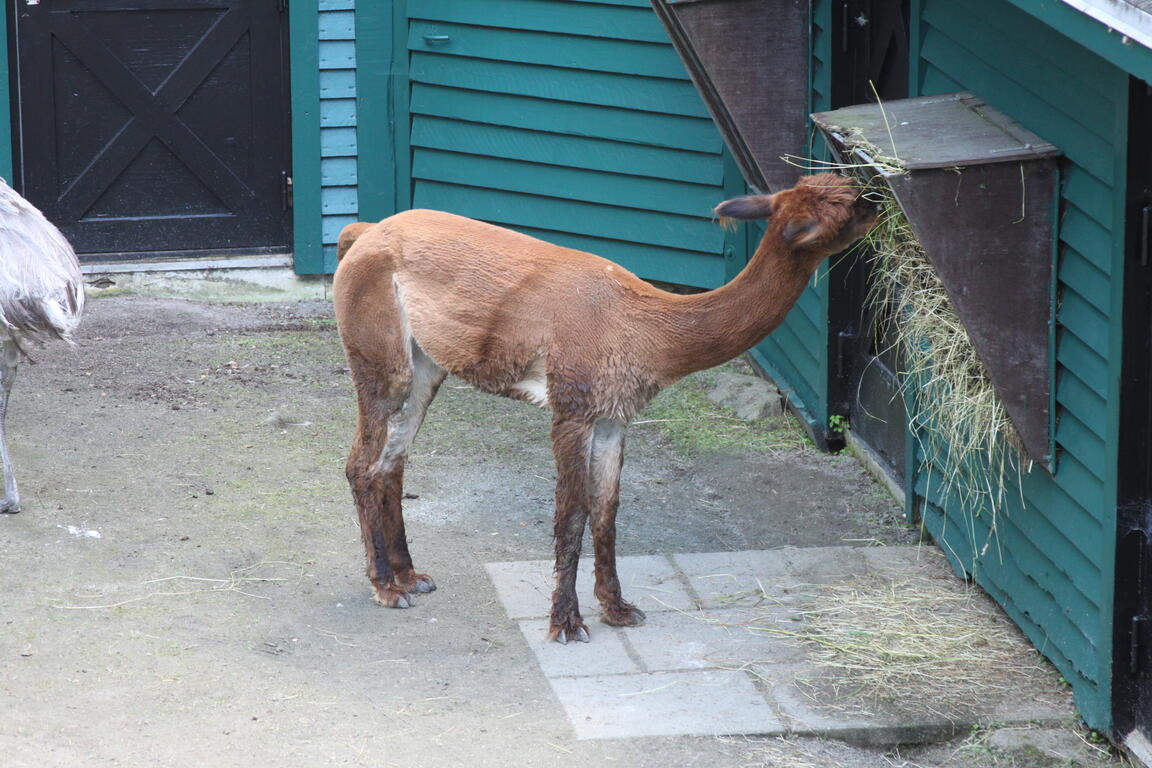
point(376, 165)
point(337, 25)
point(1076, 643)
point(790, 344)
point(673, 131)
point(1081, 318)
point(1077, 397)
point(331, 231)
point(338, 84)
point(791, 381)
point(338, 171)
point(671, 97)
point(1089, 195)
point(1090, 240)
point(338, 54)
point(337, 113)
point(545, 48)
point(566, 151)
point(617, 23)
point(338, 201)
point(512, 209)
point(1084, 488)
point(935, 81)
point(1071, 522)
point(303, 27)
point(1081, 276)
point(336, 142)
point(1079, 441)
point(568, 183)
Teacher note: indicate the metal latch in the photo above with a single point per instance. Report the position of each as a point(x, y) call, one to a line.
point(285, 190)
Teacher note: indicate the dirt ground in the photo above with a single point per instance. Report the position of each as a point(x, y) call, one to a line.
point(185, 584)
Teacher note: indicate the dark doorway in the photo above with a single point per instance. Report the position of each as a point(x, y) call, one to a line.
point(870, 60)
point(1132, 661)
point(150, 126)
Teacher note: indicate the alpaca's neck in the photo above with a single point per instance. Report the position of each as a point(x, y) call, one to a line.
point(707, 329)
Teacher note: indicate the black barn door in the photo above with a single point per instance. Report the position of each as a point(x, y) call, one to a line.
point(1132, 664)
point(870, 58)
point(156, 125)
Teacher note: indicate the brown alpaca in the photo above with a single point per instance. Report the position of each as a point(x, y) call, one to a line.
point(423, 294)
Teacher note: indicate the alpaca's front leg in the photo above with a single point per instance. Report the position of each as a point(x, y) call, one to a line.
point(570, 445)
point(607, 459)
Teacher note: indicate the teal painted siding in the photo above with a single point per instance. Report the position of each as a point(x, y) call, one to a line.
point(796, 354)
point(338, 145)
point(571, 121)
point(1050, 563)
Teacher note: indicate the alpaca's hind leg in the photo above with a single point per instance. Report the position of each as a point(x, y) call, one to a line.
point(402, 428)
point(570, 444)
point(391, 408)
point(9, 360)
point(605, 462)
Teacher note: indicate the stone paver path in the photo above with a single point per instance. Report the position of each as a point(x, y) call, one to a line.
point(702, 663)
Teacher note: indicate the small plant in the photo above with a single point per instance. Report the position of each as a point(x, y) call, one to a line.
point(838, 423)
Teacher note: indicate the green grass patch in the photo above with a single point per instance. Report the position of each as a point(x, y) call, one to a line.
point(693, 425)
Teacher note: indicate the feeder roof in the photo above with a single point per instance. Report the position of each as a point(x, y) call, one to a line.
point(951, 130)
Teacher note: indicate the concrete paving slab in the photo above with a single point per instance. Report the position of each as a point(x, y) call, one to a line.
point(651, 582)
point(704, 702)
point(606, 654)
point(803, 716)
point(730, 579)
point(739, 664)
point(709, 639)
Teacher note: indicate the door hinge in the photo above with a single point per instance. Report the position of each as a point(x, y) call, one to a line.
point(1136, 640)
point(285, 190)
point(282, 5)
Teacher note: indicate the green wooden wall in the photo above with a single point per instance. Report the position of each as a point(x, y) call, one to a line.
point(796, 354)
point(571, 121)
point(1050, 563)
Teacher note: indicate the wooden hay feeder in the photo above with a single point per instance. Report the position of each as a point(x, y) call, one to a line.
point(749, 60)
point(981, 195)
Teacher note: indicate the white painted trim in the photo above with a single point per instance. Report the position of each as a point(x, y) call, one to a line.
point(274, 261)
point(1134, 23)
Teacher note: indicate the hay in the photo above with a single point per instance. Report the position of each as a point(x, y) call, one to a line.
point(969, 447)
point(915, 643)
point(963, 429)
point(929, 645)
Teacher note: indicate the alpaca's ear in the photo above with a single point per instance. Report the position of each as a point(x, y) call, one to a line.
point(746, 208)
point(801, 232)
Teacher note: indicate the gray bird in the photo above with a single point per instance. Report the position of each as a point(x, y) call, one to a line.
point(41, 298)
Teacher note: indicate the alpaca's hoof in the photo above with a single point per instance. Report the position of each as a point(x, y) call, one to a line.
point(393, 597)
point(420, 582)
point(9, 506)
point(623, 615)
point(571, 629)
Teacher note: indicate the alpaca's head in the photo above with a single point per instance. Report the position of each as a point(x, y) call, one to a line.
point(820, 216)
